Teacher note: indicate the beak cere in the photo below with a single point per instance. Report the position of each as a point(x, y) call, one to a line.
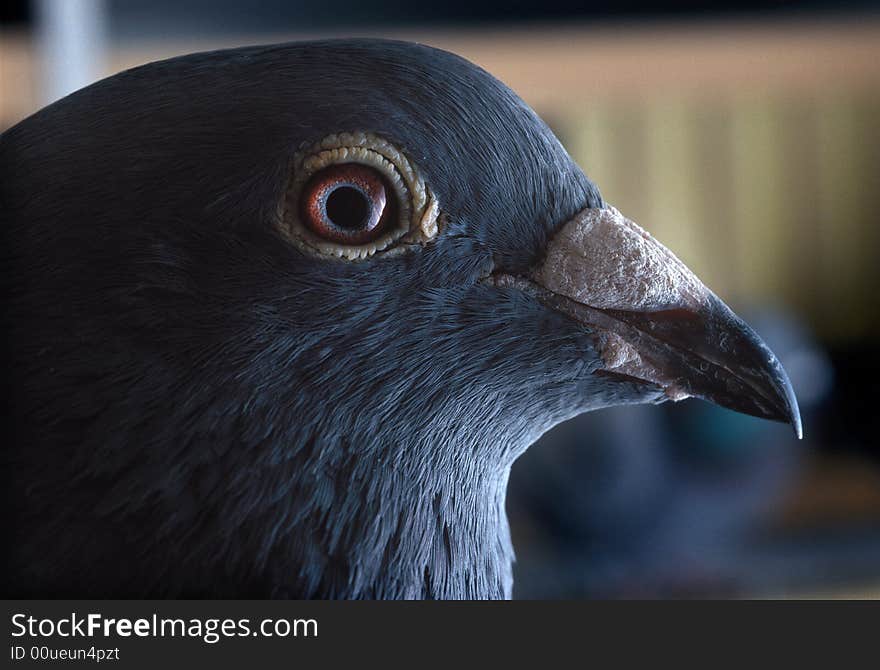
point(654, 320)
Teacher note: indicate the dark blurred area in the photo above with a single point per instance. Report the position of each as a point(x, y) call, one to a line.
point(140, 17)
point(745, 136)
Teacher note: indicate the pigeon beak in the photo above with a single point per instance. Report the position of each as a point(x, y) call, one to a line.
point(655, 321)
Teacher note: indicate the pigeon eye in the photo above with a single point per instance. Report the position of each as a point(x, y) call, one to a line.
point(347, 203)
point(354, 195)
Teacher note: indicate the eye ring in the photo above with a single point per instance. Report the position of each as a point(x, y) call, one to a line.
point(347, 203)
point(410, 217)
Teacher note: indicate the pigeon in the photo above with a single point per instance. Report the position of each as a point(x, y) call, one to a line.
point(281, 318)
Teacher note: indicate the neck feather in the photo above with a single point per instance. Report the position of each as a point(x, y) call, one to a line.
point(374, 525)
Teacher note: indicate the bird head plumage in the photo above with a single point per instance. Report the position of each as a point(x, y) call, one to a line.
point(283, 317)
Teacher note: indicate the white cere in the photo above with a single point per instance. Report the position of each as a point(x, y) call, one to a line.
point(602, 259)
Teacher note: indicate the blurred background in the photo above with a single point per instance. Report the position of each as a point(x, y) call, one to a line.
point(743, 135)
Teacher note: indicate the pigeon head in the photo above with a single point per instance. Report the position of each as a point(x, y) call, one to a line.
point(284, 317)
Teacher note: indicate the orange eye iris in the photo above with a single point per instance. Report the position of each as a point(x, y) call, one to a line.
point(346, 203)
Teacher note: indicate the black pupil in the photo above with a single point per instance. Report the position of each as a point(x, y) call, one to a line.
point(348, 207)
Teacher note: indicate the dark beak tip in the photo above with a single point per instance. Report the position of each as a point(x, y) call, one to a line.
point(759, 367)
point(773, 394)
point(796, 424)
point(791, 414)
